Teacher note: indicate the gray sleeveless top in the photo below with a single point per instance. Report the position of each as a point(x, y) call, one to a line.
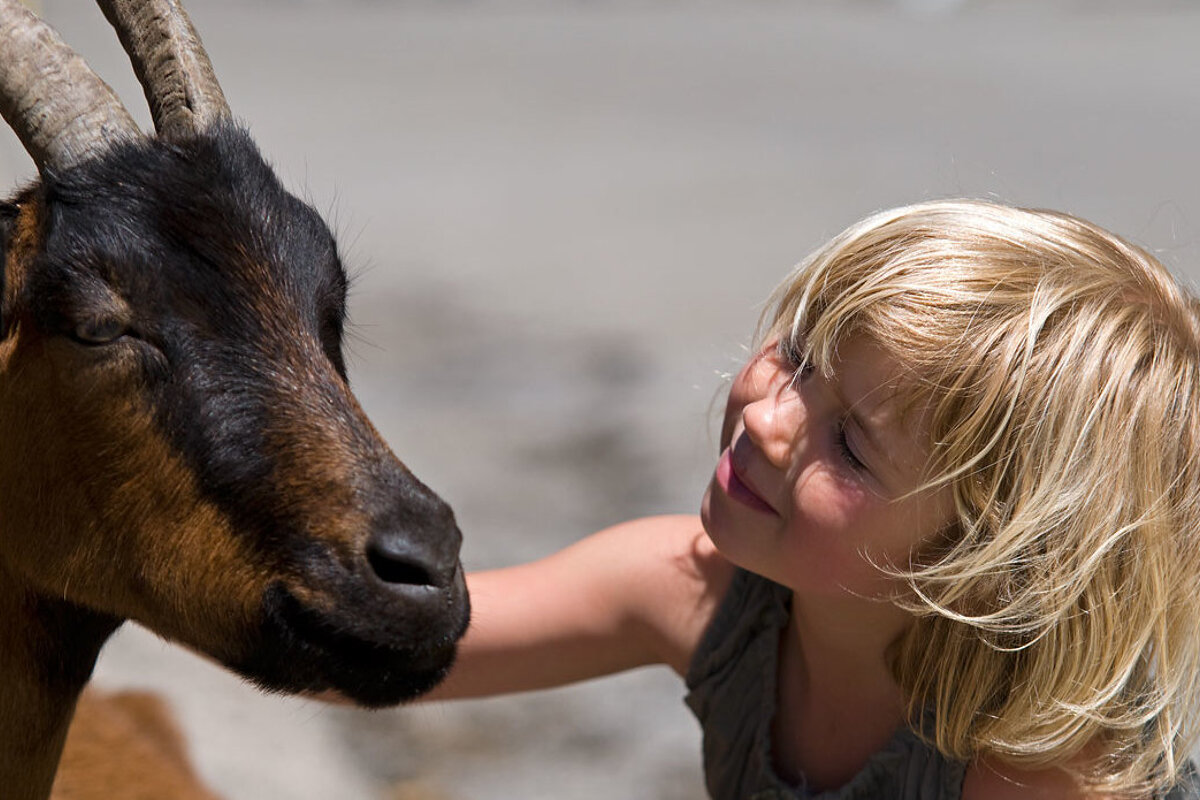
point(731, 684)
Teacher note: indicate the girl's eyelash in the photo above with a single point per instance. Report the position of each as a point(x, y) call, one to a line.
point(847, 453)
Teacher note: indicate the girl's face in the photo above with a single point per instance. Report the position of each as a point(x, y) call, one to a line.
point(812, 489)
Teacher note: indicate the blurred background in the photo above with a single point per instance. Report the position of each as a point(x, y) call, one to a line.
point(562, 219)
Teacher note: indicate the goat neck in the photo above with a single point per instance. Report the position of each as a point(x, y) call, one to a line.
point(47, 651)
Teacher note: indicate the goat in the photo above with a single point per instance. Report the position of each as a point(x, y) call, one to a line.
point(178, 441)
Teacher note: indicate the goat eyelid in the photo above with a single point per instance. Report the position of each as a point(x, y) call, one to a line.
point(99, 332)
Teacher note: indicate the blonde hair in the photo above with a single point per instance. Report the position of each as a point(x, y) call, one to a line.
point(1058, 620)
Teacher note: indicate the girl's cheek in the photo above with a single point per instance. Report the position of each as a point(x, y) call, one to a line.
point(834, 499)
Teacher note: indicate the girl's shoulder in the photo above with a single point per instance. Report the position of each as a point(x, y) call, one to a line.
point(675, 577)
point(675, 543)
point(995, 781)
point(990, 780)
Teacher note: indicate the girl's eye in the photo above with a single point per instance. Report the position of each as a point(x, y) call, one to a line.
point(847, 452)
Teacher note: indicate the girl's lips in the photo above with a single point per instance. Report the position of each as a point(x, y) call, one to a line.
point(737, 489)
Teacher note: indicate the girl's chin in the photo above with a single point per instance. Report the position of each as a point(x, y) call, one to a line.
point(711, 520)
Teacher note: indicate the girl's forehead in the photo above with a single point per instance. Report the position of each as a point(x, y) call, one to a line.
point(879, 391)
point(866, 366)
point(865, 362)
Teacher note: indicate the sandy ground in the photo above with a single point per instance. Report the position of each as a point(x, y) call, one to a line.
point(563, 218)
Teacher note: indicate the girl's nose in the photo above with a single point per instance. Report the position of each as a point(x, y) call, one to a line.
point(772, 424)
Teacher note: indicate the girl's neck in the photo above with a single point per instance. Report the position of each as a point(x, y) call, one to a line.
point(844, 640)
point(837, 703)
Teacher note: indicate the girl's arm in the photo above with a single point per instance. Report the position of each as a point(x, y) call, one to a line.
point(639, 593)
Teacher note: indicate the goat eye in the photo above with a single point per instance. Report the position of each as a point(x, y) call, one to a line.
point(98, 331)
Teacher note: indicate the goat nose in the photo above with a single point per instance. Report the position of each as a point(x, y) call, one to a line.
point(415, 558)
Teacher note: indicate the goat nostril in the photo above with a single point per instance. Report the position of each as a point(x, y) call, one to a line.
point(397, 568)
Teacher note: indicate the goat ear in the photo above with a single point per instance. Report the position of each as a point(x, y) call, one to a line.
point(8, 219)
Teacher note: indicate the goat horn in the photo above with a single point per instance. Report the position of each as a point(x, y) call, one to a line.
point(170, 63)
point(52, 100)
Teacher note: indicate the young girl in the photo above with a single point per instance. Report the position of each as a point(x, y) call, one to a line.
point(951, 547)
